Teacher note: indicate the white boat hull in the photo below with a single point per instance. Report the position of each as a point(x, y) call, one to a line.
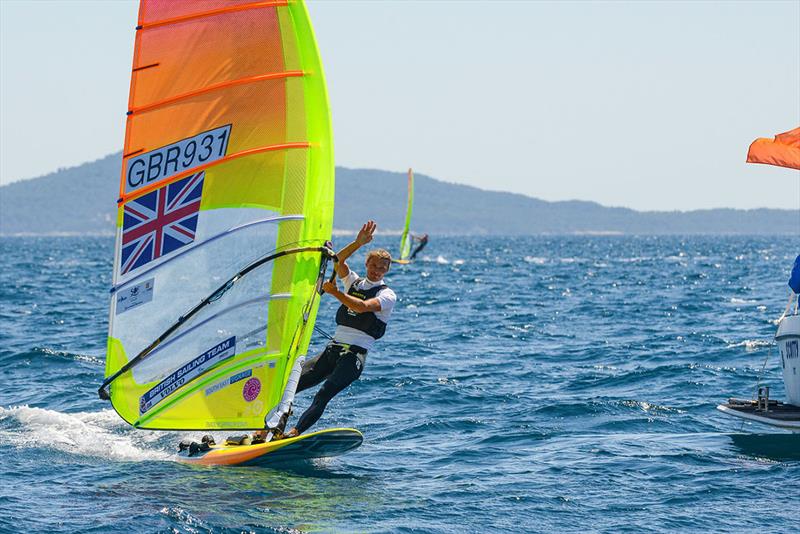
point(788, 339)
point(780, 415)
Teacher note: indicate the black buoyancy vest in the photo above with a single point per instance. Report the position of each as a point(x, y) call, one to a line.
point(367, 322)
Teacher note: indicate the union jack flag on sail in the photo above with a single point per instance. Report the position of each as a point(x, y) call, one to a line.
point(160, 222)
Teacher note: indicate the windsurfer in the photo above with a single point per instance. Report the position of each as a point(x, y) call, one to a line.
point(423, 240)
point(366, 304)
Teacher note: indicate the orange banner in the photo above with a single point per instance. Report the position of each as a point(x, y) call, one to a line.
point(783, 151)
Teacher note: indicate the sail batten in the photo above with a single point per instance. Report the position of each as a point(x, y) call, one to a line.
point(253, 151)
point(212, 88)
point(213, 12)
point(225, 209)
point(272, 220)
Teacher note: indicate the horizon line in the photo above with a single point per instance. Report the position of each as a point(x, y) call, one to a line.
point(403, 173)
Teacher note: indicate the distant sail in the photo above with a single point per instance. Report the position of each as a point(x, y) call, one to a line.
point(783, 151)
point(405, 240)
point(226, 203)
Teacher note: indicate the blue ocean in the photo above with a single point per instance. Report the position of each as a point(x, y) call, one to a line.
point(530, 384)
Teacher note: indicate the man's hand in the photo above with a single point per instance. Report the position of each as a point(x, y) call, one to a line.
point(330, 287)
point(365, 234)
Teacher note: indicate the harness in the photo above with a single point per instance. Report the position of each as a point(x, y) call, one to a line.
point(343, 349)
point(366, 322)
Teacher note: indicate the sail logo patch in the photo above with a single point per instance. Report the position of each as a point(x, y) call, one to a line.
point(251, 389)
point(160, 222)
point(137, 295)
point(187, 372)
point(228, 381)
point(173, 159)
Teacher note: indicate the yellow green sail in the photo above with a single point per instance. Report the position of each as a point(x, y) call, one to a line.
point(405, 238)
point(225, 206)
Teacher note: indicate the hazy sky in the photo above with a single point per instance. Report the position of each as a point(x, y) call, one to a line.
point(649, 105)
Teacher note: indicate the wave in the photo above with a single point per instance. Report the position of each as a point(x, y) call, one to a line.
point(735, 300)
point(96, 434)
point(48, 352)
point(536, 260)
point(751, 344)
point(53, 355)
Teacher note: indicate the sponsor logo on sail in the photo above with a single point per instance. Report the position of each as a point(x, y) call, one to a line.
point(131, 297)
point(187, 372)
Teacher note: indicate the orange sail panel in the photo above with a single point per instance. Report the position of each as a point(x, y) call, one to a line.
point(783, 151)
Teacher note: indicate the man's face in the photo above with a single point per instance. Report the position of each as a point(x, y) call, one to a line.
point(377, 268)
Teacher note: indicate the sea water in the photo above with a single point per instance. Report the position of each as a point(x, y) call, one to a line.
point(525, 384)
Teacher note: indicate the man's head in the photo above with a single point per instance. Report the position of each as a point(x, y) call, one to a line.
point(378, 263)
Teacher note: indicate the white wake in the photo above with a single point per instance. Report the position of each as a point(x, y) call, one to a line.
point(100, 434)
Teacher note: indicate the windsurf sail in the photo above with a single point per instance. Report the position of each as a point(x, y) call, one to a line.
point(782, 151)
point(225, 206)
point(405, 239)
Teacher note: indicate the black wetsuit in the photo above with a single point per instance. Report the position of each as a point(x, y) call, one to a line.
point(422, 243)
point(339, 364)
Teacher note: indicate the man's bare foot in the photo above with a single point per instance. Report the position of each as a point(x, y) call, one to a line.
point(259, 436)
point(293, 433)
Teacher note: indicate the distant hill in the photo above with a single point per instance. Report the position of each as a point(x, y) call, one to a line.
point(82, 200)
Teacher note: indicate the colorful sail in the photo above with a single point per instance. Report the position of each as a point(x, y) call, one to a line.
point(405, 239)
point(783, 151)
point(225, 206)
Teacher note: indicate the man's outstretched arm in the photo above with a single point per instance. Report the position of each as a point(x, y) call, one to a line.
point(364, 236)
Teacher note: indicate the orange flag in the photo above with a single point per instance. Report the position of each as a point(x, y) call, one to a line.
point(783, 151)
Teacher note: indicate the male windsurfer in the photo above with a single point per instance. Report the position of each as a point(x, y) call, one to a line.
point(423, 240)
point(366, 304)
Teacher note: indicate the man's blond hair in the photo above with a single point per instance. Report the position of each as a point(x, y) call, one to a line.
point(380, 253)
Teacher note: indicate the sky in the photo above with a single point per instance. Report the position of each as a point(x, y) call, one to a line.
point(646, 105)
